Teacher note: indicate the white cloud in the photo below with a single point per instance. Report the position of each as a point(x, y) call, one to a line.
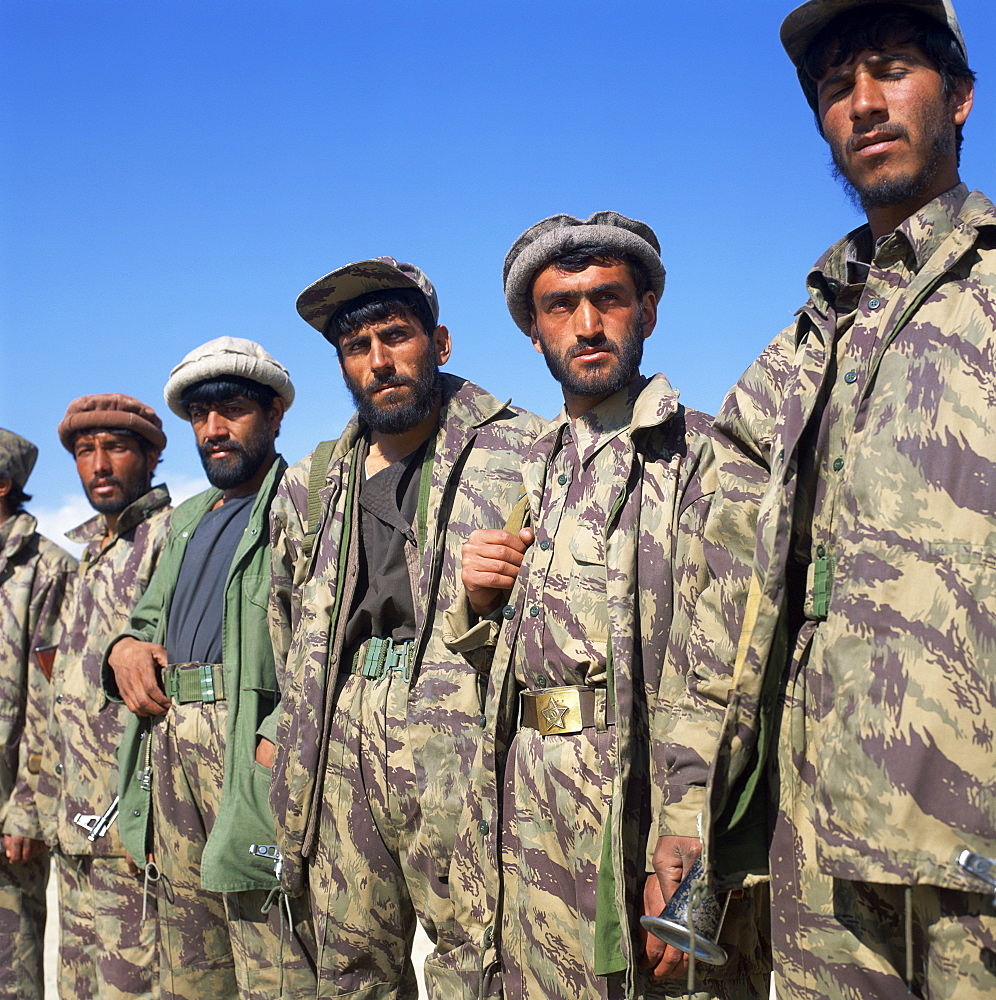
point(54, 522)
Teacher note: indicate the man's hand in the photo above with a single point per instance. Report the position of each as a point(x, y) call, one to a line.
point(264, 752)
point(21, 849)
point(673, 857)
point(134, 664)
point(491, 561)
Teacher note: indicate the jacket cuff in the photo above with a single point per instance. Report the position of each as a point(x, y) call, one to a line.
point(681, 814)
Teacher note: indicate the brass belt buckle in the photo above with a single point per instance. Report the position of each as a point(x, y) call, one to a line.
point(558, 712)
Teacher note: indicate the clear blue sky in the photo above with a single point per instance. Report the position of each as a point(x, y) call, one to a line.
point(173, 171)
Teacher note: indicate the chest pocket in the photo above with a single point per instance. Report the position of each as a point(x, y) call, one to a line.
point(587, 545)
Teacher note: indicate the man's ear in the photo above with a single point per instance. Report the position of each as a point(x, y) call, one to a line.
point(276, 413)
point(961, 101)
point(442, 344)
point(649, 313)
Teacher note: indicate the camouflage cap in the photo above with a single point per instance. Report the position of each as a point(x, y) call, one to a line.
point(539, 244)
point(17, 457)
point(800, 28)
point(115, 411)
point(318, 303)
point(227, 356)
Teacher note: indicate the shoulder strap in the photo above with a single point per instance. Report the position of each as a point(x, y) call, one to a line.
point(519, 517)
point(316, 480)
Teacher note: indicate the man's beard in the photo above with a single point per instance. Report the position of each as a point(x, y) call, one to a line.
point(130, 492)
point(239, 468)
point(599, 381)
point(396, 418)
point(899, 190)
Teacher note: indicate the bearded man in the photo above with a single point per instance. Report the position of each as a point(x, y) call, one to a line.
point(105, 948)
point(196, 668)
point(380, 717)
point(566, 783)
point(855, 757)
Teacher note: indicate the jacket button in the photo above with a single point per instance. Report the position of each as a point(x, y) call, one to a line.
point(534, 611)
point(540, 681)
point(821, 551)
point(508, 612)
point(851, 377)
point(561, 479)
point(489, 936)
point(483, 721)
point(874, 303)
point(545, 544)
point(58, 769)
point(838, 464)
point(483, 826)
point(58, 699)
point(136, 812)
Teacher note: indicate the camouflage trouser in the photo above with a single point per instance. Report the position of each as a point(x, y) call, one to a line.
point(374, 867)
point(214, 944)
point(555, 805)
point(22, 927)
point(106, 950)
point(836, 938)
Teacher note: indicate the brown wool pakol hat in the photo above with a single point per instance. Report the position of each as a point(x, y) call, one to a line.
point(539, 244)
point(115, 411)
point(318, 303)
point(17, 457)
point(800, 28)
point(227, 356)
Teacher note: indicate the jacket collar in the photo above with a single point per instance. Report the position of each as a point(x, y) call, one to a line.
point(15, 533)
point(136, 512)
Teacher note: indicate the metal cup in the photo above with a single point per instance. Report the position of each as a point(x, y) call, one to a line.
point(706, 919)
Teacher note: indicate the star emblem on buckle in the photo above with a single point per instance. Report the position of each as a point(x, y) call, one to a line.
point(554, 714)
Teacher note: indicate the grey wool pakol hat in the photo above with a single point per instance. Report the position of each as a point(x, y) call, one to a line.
point(800, 28)
point(226, 356)
point(320, 301)
point(539, 244)
point(17, 457)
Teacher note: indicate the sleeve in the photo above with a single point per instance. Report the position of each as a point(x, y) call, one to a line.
point(53, 590)
point(704, 649)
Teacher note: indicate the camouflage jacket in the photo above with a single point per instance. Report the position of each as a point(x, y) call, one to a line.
point(475, 479)
point(79, 771)
point(250, 691)
point(901, 587)
point(36, 578)
point(650, 506)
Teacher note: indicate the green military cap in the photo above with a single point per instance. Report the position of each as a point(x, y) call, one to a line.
point(800, 28)
point(318, 303)
point(17, 457)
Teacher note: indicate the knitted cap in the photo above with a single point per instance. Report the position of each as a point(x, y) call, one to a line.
point(227, 356)
point(113, 410)
point(17, 457)
point(539, 244)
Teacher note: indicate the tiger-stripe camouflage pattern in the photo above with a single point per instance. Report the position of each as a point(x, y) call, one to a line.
point(861, 446)
point(618, 498)
point(215, 944)
point(475, 480)
point(79, 768)
point(35, 580)
point(106, 950)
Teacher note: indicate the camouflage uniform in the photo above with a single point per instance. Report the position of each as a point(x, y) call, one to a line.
point(105, 948)
point(859, 484)
point(35, 579)
point(222, 930)
point(618, 498)
point(367, 821)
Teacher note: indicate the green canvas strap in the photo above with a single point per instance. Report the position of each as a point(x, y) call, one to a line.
point(424, 486)
point(316, 480)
